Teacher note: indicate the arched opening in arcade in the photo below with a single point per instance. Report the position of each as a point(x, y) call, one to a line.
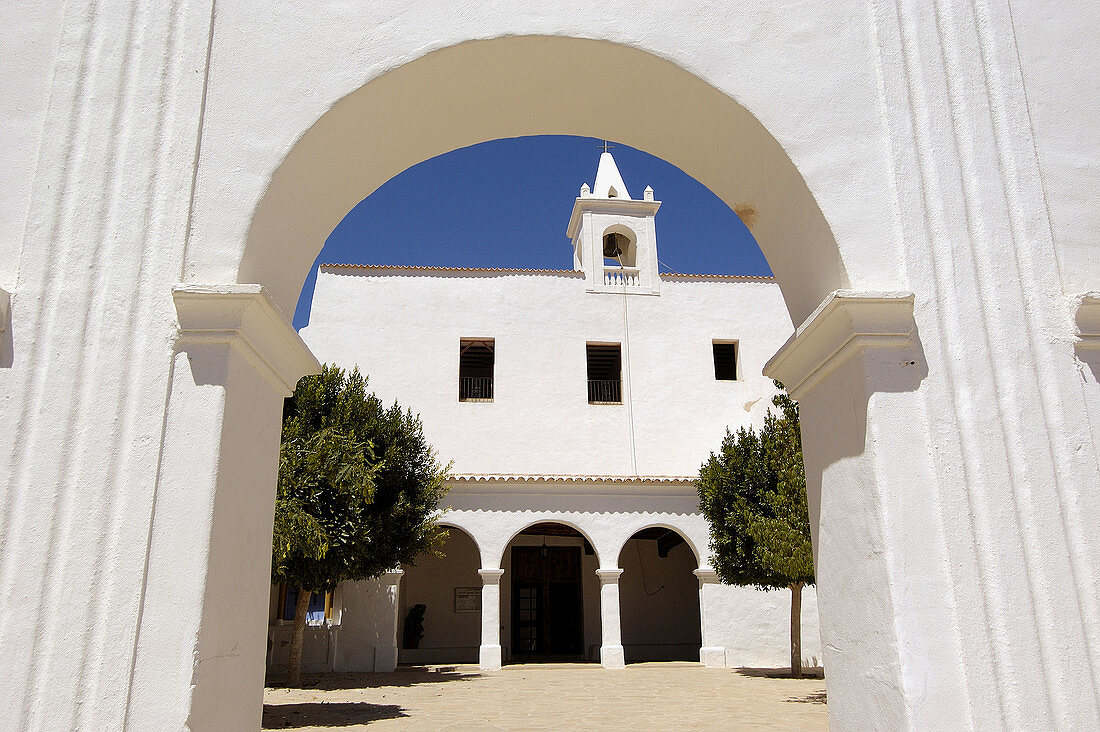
point(439, 611)
point(659, 597)
point(550, 596)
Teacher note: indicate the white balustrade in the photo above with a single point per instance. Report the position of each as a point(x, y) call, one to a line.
point(621, 277)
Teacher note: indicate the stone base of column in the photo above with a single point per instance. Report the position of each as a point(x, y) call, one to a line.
point(489, 658)
point(712, 656)
point(612, 657)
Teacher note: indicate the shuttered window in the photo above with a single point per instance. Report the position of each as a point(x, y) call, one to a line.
point(605, 374)
point(476, 360)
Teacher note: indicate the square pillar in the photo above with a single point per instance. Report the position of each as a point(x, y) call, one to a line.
point(711, 654)
point(886, 594)
point(202, 633)
point(490, 656)
point(386, 655)
point(611, 652)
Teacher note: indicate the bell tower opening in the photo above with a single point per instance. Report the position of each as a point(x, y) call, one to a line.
point(614, 237)
point(619, 250)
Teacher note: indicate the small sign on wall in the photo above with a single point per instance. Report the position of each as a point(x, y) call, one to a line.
point(467, 599)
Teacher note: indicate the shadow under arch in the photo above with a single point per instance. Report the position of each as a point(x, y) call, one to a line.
point(435, 622)
point(552, 520)
point(453, 526)
point(530, 85)
point(660, 596)
point(684, 536)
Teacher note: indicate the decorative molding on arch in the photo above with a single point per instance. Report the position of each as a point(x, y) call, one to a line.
point(245, 318)
point(844, 324)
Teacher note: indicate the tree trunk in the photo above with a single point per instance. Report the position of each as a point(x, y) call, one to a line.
point(297, 637)
point(796, 630)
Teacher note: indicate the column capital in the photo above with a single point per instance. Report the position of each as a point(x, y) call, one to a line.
point(245, 318)
point(844, 324)
point(706, 575)
point(609, 575)
point(491, 576)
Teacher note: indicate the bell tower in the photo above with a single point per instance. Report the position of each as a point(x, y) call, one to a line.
point(614, 240)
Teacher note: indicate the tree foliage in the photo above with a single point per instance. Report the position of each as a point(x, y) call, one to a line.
point(753, 494)
point(358, 485)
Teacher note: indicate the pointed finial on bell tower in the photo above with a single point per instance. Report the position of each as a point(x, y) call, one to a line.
point(613, 235)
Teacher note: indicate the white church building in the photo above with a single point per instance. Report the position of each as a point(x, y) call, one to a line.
point(577, 406)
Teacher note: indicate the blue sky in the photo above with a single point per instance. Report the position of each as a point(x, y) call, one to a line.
point(506, 203)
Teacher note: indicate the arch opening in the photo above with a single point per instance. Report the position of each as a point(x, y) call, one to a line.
point(620, 246)
point(659, 597)
point(447, 628)
point(384, 128)
point(508, 87)
point(550, 596)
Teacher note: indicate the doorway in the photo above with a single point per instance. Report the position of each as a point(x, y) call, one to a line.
point(547, 603)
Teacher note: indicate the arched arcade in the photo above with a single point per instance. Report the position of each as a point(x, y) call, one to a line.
point(920, 211)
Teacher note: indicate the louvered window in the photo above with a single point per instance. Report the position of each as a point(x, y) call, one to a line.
point(605, 374)
point(475, 370)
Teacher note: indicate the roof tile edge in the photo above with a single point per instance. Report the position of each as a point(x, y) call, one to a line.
point(432, 268)
point(506, 270)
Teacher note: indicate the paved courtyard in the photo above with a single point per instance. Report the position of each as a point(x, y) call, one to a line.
point(550, 696)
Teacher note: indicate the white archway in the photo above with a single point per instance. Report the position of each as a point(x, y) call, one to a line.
point(660, 596)
point(952, 475)
point(507, 87)
point(447, 586)
point(857, 363)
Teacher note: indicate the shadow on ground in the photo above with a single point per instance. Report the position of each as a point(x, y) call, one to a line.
point(781, 673)
point(818, 698)
point(320, 714)
point(403, 676)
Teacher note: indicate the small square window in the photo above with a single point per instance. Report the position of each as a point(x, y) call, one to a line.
point(605, 374)
point(476, 360)
point(725, 360)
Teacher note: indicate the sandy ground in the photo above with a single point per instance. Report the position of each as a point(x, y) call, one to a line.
point(550, 696)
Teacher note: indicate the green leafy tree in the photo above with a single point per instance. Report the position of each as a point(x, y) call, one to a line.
point(357, 493)
point(753, 494)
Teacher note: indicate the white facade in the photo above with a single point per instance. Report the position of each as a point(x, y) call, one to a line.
point(539, 451)
point(923, 180)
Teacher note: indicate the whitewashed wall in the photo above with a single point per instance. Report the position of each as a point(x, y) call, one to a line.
point(945, 149)
point(402, 328)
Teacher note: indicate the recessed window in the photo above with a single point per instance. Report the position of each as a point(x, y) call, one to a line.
point(725, 360)
point(475, 370)
point(605, 374)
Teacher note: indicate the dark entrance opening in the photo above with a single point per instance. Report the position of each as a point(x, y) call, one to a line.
point(547, 600)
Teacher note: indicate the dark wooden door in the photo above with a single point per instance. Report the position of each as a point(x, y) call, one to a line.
point(547, 606)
